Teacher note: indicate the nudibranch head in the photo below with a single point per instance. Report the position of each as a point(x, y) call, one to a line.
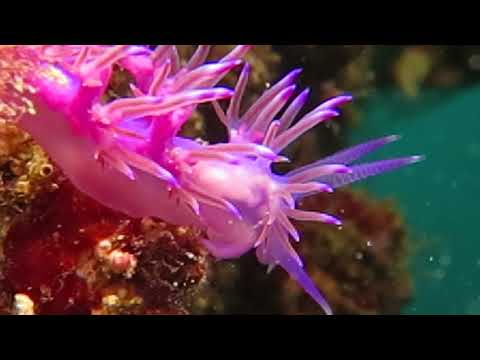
point(266, 201)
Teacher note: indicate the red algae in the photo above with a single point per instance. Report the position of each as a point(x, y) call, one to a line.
point(43, 249)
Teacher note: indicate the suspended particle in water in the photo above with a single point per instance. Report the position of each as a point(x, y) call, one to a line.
point(445, 260)
point(439, 274)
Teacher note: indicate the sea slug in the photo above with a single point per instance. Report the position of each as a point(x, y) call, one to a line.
point(127, 154)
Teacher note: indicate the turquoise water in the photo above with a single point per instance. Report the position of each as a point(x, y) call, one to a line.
point(437, 197)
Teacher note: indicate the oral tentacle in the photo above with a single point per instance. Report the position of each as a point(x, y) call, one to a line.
point(281, 253)
point(298, 274)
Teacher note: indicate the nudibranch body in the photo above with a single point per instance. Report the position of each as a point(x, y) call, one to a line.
point(128, 156)
point(124, 153)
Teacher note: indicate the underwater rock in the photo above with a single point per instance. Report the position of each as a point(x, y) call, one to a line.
point(70, 255)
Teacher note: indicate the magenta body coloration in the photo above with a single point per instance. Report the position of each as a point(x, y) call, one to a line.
point(127, 154)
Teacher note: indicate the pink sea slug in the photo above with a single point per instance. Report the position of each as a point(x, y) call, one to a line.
point(126, 154)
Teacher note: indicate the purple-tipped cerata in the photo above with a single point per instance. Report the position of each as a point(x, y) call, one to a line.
point(128, 156)
point(271, 199)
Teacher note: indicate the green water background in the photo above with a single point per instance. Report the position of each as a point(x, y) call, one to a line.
point(437, 197)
